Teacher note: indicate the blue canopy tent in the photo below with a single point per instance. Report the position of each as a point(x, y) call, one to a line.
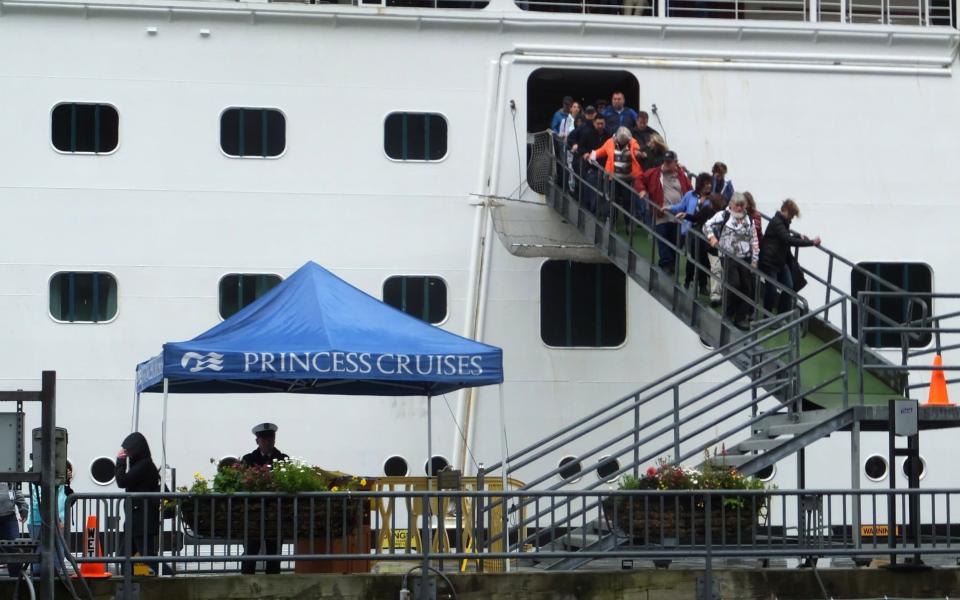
point(316, 334)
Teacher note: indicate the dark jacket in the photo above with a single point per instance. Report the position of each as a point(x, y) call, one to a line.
point(573, 138)
point(137, 473)
point(699, 218)
point(643, 135)
point(258, 459)
point(776, 243)
point(591, 139)
point(653, 159)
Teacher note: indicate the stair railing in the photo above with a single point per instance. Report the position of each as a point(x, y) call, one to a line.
point(680, 431)
point(566, 178)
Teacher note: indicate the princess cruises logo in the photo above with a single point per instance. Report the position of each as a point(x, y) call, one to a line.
point(211, 360)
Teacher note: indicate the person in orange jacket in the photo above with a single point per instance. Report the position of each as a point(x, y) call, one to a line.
point(620, 157)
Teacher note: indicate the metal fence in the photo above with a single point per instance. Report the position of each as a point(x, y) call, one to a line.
point(456, 529)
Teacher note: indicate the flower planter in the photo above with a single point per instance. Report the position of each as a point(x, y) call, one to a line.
point(676, 520)
point(236, 518)
point(338, 545)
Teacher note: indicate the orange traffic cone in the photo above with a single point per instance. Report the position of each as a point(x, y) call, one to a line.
point(938, 385)
point(91, 547)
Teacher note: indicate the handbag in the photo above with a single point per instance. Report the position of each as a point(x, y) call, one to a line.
point(796, 273)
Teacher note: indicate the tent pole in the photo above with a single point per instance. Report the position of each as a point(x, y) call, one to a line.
point(163, 434)
point(429, 443)
point(135, 426)
point(504, 477)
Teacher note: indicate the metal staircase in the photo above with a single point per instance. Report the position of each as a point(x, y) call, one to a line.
point(802, 375)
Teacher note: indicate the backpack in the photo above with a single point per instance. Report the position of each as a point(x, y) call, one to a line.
point(718, 227)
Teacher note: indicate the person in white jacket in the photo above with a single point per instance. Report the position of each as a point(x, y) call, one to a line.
point(732, 231)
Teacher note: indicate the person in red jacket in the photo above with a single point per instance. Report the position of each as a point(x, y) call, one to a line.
point(620, 157)
point(666, 185)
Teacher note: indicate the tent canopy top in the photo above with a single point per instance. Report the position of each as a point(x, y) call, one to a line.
point(315, 333)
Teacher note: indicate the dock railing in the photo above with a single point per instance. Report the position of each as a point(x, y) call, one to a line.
point(350, 531)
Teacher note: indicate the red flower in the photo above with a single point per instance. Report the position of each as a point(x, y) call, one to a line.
point(652, 472)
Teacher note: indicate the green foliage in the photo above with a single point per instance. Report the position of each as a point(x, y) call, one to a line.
point(229, 479)
point(714, 475)
point(297, 476)
point(288, 476)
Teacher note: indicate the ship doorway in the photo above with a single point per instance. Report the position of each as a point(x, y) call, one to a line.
point(546, 88)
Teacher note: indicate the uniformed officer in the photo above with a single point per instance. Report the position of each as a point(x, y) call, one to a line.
point(266, 452)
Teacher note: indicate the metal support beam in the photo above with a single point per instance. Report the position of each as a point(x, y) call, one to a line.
point(48, 484)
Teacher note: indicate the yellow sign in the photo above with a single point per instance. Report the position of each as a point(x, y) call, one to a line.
point(878, 530)
point(400, 540)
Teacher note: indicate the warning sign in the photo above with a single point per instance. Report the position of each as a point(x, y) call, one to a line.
point(878, 530)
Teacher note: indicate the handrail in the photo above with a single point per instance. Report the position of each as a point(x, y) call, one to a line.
point(666, 427)
point(692, 369)
point(830, 287)
point(689, 402)
point(653, 208)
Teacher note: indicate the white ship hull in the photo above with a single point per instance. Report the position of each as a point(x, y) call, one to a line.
point(857, 123)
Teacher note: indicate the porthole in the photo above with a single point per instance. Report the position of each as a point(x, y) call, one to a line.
point(767, 473)
point(396, 466)
point(570, 467)
point(438, 463)
point(103, 470)
point(875, 468)
point(905, 467)
point(607, 467)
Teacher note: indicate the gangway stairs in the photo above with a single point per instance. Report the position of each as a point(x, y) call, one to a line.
point(802, 375)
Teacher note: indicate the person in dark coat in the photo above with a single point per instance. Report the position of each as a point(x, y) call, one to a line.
point(589, 140)
point(263, 456)
point(136, 472)
point(775, 257)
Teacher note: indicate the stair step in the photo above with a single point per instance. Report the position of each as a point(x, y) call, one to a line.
point(787, 429)
point(732, 459)
point(757, 443)
point(809, 416)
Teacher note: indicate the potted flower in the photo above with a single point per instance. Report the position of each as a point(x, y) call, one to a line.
point(216, 511)
point(681, 518)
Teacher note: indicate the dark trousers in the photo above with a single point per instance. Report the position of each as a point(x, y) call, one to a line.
point(10, 530)
point(623, 197)
point(738, 277)
point(249, 565)
point(668, 258)
point(588, 194)
point(784, 277)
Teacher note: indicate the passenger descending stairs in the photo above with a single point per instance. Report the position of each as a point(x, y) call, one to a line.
point(826, 354)
point(802, 375)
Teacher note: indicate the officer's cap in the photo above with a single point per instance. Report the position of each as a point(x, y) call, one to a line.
point(264, 428)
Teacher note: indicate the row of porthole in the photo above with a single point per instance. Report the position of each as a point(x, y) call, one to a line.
point(877, 468)
point(103, 469)
point(608, 468)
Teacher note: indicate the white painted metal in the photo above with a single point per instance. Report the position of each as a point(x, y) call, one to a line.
point(863, 145)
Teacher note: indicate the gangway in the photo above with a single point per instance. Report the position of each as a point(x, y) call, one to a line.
point(803, 375)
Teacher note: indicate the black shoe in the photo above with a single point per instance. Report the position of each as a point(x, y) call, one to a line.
point(742, 324)
point(715, 303)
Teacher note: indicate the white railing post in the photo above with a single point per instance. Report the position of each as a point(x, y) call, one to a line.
point(662, 8)
point(814, 11)
point(843, 11)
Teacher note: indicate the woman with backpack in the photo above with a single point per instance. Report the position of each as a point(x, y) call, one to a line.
point(733, 232)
